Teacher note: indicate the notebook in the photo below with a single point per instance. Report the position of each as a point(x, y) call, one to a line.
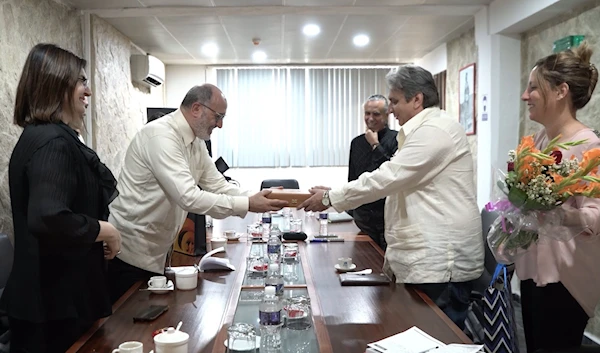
point(372, 279)
point(339, 217)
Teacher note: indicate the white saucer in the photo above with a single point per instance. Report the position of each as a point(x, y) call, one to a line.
point(241, 346)
point(352, 267)
point(235, 237)
point(164, 290)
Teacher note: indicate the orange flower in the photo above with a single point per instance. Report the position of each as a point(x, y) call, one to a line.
point(526, 141)
point(590, 157)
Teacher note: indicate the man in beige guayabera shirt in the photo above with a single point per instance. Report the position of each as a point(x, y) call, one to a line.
point(164, 165)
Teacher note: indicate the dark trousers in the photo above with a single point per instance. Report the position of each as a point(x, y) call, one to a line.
point(552, 318)
point(372, 223)
point(122, 276)
point(49, 337)
point(452, 298)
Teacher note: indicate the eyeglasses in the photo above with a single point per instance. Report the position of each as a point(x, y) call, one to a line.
point(84, 80)
point(218, 116)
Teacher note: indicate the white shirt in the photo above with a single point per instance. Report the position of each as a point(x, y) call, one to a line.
point(432, 222)
point(158, 186)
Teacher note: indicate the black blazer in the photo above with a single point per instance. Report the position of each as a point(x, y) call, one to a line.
point(59, 190)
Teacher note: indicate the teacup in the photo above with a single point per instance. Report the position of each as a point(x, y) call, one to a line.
point(218, 243)
point(229, 234)
point(130, 347)
point(344, 262)
point(157, 282)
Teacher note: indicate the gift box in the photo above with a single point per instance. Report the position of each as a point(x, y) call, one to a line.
point(292, 196)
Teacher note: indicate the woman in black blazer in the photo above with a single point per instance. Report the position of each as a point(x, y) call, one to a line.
point(60, 193)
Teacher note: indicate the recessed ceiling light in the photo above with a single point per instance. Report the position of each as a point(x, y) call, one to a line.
point(210, 49)
point(361, 40)
point(259, 56)
point(311, 30)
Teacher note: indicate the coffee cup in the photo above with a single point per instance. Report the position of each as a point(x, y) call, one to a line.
point(218, 243)
point(130, 347)
point(344, 262)
point(229, 234)
point(157, 282)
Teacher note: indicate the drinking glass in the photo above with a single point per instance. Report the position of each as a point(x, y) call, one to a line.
point(298, 313)
point(296, 225)
point(241, 337)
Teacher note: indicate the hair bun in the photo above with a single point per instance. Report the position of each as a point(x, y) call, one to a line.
point(584, 52)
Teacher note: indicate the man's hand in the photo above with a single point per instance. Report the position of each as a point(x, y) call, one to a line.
point(315, 202)
point(372, 137)
point(260, 203)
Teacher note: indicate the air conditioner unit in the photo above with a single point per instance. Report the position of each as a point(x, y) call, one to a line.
point(147, 69)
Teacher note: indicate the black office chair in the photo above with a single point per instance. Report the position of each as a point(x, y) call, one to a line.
point(6, 262)
point(286, 183)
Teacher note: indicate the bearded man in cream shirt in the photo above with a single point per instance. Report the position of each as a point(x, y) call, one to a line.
point(432, 222)
point(158, 186)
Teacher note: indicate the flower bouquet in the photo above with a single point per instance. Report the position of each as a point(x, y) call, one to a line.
point(535, 187)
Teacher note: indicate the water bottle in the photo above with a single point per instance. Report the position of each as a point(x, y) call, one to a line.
point(269, 313)
point(266, 224)
point(287, 218)
point(274, 246)
point(275, 279)
point(323, 219)
point(276, 232)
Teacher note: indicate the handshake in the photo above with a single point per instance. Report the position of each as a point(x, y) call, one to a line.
point(275, 199)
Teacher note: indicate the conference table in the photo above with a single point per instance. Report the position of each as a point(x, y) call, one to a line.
point(345, 318)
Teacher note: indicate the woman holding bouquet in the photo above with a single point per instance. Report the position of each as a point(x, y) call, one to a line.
point(560, 279)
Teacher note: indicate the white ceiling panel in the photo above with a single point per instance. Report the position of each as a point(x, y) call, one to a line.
point(389, 2)
point(176, 2)
point(105, 4)
point(379, 29)
point(299, 46)
point(175, 30)
point(319, 2)
point(458, 2)
point(148, 34)
point(248, 2)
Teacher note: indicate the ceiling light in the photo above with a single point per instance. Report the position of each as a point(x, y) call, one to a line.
point(259, 56)
point(361, 40)
point(210, 49)
point(311, 30)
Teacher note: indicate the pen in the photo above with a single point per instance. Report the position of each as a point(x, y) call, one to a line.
point(337, 240)
point(430, 349)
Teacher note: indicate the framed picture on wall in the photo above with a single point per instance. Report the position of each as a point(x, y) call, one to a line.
point(466, 98)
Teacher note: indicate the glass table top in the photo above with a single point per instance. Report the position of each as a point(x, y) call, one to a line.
point(292, 341)
point(291, 269)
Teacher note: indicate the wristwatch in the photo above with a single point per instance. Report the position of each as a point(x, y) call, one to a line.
point(325, 199)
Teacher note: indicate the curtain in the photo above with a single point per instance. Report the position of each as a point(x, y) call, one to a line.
point(294, 116)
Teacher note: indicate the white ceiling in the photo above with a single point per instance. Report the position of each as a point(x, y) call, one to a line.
point(175, 30)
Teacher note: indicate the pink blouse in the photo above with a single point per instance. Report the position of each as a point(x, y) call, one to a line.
point(574, 263)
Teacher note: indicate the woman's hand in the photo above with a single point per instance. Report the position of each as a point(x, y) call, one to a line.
point(111, 238)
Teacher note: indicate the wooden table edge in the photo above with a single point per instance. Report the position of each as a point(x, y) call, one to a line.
point(443, 316)
point(82, 340)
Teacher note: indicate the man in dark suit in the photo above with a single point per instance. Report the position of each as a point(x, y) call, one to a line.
point(367, 152)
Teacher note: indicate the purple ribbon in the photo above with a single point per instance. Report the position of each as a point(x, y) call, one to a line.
point(502, 205)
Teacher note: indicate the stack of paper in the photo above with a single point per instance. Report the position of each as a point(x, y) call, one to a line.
point(415, 340)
